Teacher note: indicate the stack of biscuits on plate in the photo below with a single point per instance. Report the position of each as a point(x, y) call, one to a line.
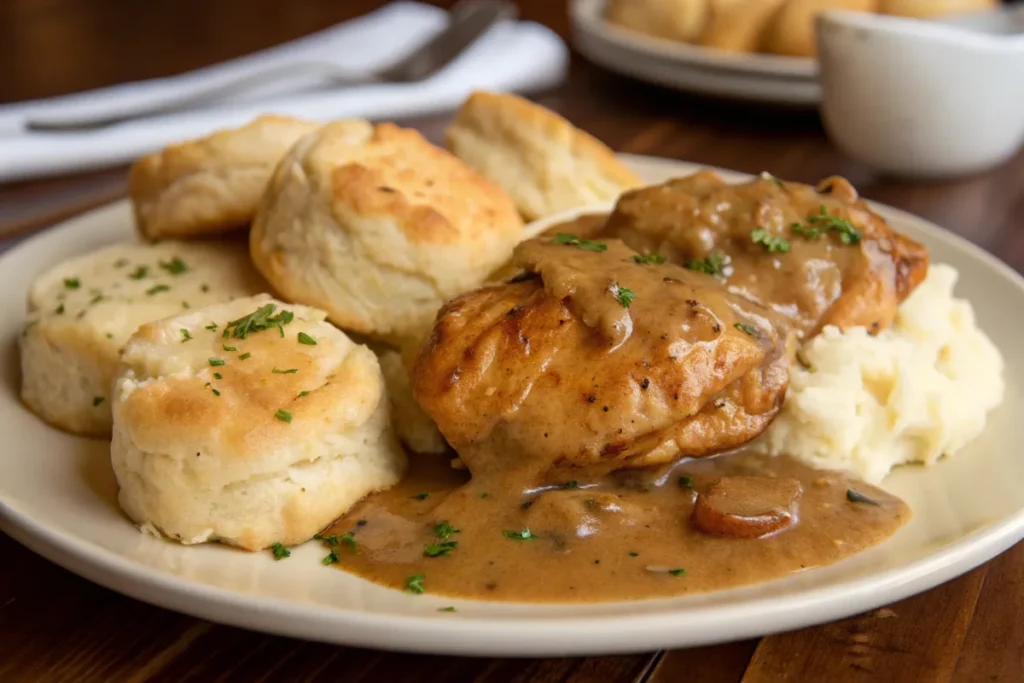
point(784, 27)
point(255, 389)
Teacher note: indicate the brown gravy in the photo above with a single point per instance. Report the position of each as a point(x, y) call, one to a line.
point(621, 537)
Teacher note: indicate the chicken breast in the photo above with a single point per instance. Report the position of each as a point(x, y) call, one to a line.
point(597, 356)
point(816, 255)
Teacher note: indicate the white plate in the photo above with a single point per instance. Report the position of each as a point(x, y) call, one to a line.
point(764, 78)
point(57, 496)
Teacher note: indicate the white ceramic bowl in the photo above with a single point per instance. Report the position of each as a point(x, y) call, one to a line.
point(923, 98)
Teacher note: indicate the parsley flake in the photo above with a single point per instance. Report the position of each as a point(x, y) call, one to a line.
point(212, 327)
point(60, 310)
point(257, 321)
point(711, 265)
point(623, 295)
point(747, 328)
point(571, 240)
point(280, 552)
point(139, 273)
point(855, 497)
point(331, 559)
point(414, 584)
point(651, 259)
point(770, 243)
point(175, 266)
point(523, 535)
point(185, 336)
point(215, 362)
point(449, 608)
point(228, 348)
point(306, 339)
point(677, 572)
point(217, 375)
point(822, 222)
point(283, 416)
point(421, 496)
point(244, 356)
point(330, 540)
point(440, 549)
point(303, 393)
point(685, 481)
point(289, 371)
point(350, 541)
point(71, 283)
point(156, 289)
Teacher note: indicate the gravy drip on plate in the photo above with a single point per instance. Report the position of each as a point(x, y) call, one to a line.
point(622, 536)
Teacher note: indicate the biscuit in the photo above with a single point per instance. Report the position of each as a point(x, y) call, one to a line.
point(251, 423)
point(541, 160)
point(736, 25)
point(673, 19)
point(81, 312)
point(414, 427)
point(212, 184)
point(378, 227)
point(791, 32)
point(926, 9)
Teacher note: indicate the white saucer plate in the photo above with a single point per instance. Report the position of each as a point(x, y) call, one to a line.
point(58, 497)
point(774, 79)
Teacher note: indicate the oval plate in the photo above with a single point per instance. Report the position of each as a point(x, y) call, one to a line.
point(58, 497)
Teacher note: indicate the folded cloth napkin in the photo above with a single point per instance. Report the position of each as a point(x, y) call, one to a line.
point(511, 56)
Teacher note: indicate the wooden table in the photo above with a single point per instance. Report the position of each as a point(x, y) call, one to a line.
point(55, 626)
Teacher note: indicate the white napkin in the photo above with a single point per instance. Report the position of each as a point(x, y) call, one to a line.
point(512, 56)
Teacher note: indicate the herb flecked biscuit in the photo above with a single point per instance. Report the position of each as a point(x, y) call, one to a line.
point(546, 164)
point(252, 423)
point(81, 312)
point(378, 227)
point(212, 184)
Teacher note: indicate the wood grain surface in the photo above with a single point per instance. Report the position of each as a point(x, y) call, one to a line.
point(56, 627)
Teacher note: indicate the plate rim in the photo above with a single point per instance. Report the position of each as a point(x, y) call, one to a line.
point(514, 635)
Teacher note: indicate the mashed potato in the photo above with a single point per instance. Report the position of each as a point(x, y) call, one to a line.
point(915, 392)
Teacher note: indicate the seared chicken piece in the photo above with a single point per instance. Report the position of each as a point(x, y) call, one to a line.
point(818, 256)
point(595, 357)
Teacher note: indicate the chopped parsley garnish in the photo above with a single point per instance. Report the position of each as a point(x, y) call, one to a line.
point(244, 356)
point(330, 540)
point(667, 570)
point(289, 371)
point(96, 299)
point(484, 495)
point(156, 289)
point(175, 266)
point(303, 393)
point(523, 535)
point(139, 273)
point(439, 549)
point(350, 541)
point(765, 175)
point(443, 530)
point(421, 496)
point(712, 264)
point(414, 584)
point(571, 240)
point(228, 348)
point(71, 283)
point(331, 559)
point(96, 400)
point(770, 243)
point(822, 222)
point(257, 321)
point(449, 608)
point(60, 309)
point(217, 375)
point(283, 416)
point(212, 327)
point(280, 552)
point(685, 481)
point(649, 259)
point(634, 554)
point(306, 339)
point(215, 362)
point(677, 572)
point(185, 336)
point(747, 328)
point(623, 295)
point(855, 497)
